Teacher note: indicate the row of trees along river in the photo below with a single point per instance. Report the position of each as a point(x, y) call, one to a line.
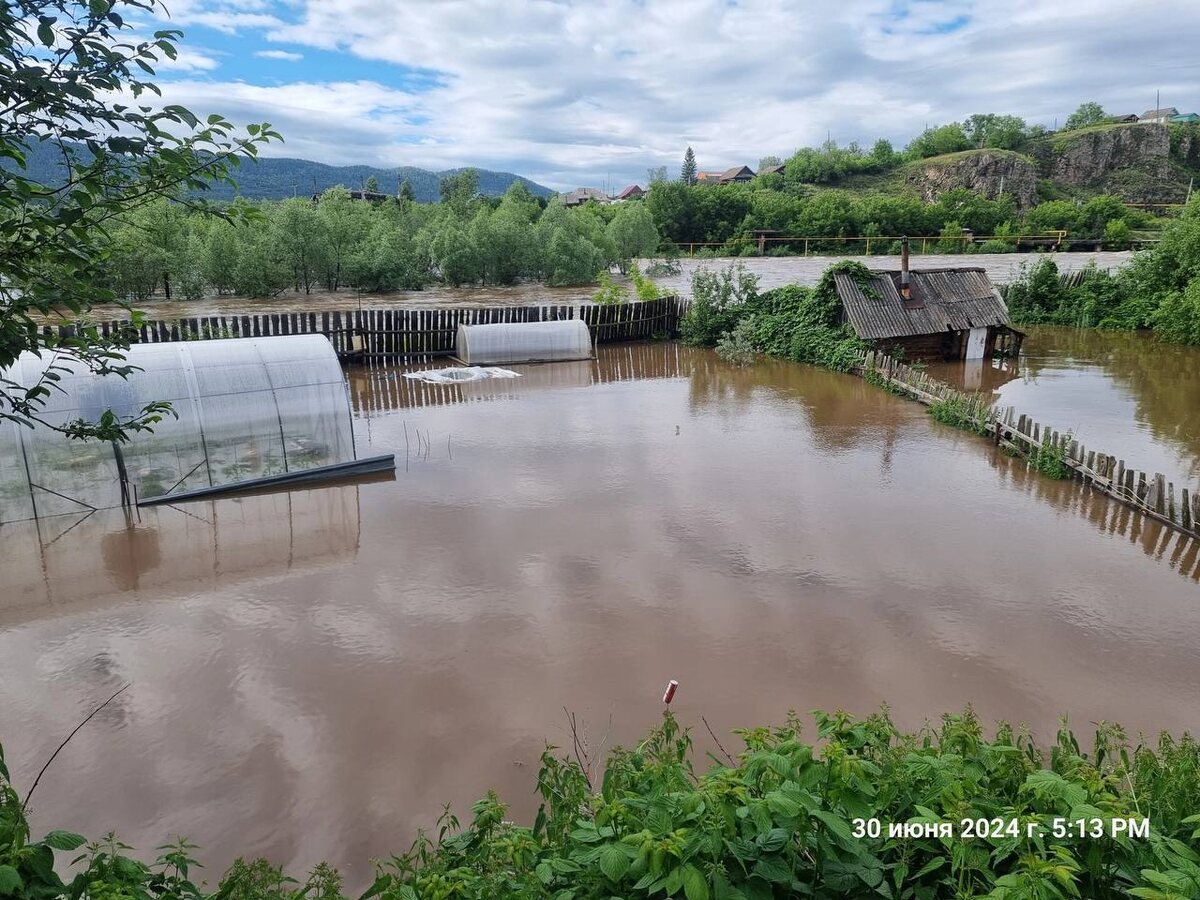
point(166, 250)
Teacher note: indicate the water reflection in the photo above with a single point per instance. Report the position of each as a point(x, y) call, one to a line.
point(1121, 392)
point(375, 389)
point(1166, 545)
point(72, 559)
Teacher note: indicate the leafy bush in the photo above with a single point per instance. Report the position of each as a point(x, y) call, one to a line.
point(609, 293)
point(1051, 460)
point(719, 299)
point(995, 246)
point(737, 346)
point(643, 286)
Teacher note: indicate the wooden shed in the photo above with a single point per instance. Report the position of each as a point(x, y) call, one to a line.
point(929, 313)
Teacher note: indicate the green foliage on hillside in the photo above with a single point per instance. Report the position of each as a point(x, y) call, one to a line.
point(786, 817)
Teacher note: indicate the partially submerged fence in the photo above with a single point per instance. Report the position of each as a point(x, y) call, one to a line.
point(1153, 497)
point(381, 333)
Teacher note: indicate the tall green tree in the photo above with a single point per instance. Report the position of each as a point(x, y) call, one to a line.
point(75, 77)
point(687, 172)
point(371, 185)
point(632, 234)
point(991, 130)
point(300, 237)
point(936, 141)
point(1090, 113)
point(346, 222)
point(459, 190)
point(406, 190)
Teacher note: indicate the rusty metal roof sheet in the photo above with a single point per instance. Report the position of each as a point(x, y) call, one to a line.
point(954, 300)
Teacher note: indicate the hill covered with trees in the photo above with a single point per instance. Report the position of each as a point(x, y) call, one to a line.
point(277, 178)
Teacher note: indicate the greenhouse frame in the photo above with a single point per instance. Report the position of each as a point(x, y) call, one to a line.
point(247, 411)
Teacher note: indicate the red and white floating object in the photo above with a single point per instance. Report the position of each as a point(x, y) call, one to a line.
point(669, 693)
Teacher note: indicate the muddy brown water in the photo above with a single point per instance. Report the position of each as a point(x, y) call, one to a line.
point(771, 271)
point(314, 674)
point(1124, 393)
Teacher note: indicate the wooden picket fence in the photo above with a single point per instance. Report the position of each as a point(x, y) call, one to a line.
point(393, 333)
point(1152, 496)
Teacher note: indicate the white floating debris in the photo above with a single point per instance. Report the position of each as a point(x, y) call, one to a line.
point(461, 373)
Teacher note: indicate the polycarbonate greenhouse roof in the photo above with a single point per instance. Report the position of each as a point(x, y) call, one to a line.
point(516, 342)
point(247, 408)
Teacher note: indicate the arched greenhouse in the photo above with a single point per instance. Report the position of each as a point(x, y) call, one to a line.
point(517, 342)
point(250, 410)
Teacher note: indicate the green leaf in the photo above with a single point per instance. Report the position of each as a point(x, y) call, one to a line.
point(64, 840)
point(10, 880)
point(836, 824)
point(772, 840)
point(695, 885)
point(614, 862)
point(773, 870)
point(932, 866)
point(645, 881)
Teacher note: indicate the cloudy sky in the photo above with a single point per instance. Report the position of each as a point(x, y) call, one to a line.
point(584, 92)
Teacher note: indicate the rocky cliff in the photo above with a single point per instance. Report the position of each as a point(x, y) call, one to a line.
point(1133, 162)
point(1139, 163)
point(985, 172)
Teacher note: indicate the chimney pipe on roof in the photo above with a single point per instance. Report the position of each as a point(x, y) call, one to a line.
point(904, 277)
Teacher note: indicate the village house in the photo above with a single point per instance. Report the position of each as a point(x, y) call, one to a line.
point(1185, 119)
point(736, 175)
point(928, 314)
point(580, 196)
point(1159, 116)
point(771, 170)
point(633, 192)
point(369, 196)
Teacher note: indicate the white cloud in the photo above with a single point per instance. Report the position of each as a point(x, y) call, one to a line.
point(286, 55)
point(571, 92)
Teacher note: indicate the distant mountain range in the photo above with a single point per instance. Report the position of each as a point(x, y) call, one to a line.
point(274, 178)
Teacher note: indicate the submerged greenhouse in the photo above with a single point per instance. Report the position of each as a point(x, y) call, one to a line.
point(516, 342)
point(248, 411)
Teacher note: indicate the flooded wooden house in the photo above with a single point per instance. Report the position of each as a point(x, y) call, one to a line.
point(954, 313)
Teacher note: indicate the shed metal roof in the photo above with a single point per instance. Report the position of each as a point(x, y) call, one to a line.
point(954, 299)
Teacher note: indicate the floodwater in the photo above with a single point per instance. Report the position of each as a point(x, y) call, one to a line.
point(314, 674)
point(772, 272)
point(1123, 393)
point(776, 271)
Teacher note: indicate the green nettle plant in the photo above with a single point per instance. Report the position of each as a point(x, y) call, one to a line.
point(867, 810)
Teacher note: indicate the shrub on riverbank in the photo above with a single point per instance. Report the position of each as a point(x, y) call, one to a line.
point(794, 322)
point(783, 818)
point(1159, 289)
